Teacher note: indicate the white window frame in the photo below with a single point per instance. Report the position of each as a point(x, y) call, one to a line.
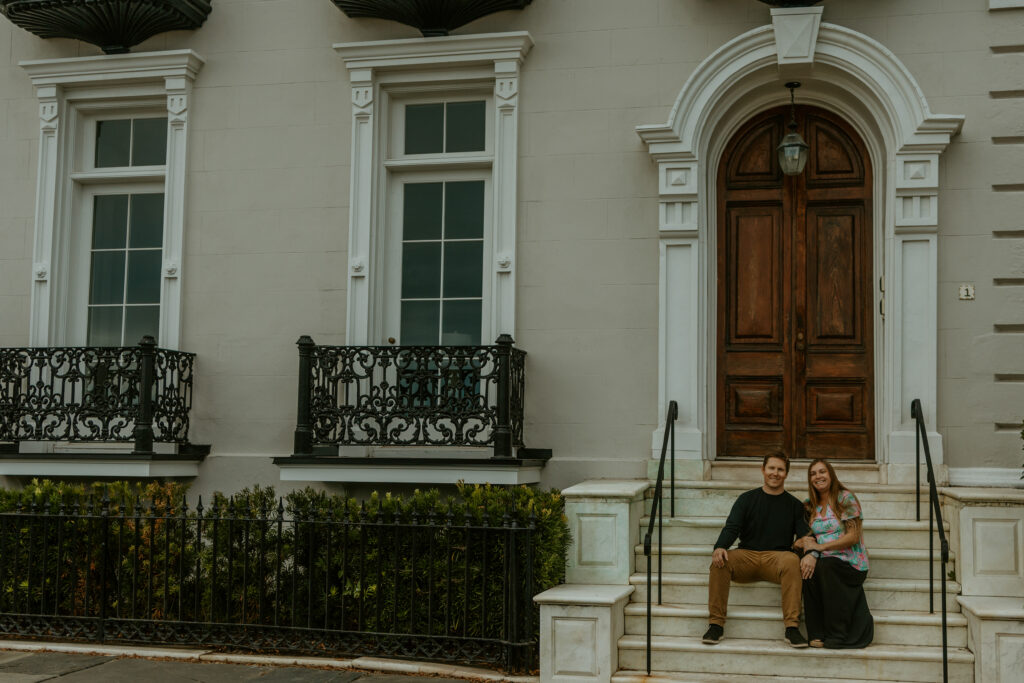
point(71, 93)
point(80, 263)
point(392, 280)
point(384, 73)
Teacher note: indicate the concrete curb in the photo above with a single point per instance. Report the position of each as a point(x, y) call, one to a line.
point(368, 664)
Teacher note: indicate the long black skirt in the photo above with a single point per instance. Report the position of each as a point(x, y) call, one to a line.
point(835, 607)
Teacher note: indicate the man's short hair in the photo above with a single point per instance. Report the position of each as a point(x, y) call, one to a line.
point(778, 454)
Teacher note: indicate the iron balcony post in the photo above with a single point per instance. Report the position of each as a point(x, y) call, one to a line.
point(503, 429)
point(143, 432)
point(303, 420)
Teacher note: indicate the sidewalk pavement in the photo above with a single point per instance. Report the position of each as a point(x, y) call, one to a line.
point(32, 662)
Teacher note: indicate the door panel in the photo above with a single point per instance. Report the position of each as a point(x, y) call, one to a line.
point(795, 294)
point(755, 262)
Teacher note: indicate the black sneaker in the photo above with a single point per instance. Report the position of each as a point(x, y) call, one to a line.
point(713, 634)
point(794, 637)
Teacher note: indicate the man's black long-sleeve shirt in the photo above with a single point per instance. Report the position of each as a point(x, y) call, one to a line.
point(764, 522)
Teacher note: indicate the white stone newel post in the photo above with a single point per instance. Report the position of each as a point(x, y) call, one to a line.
point(580, 627)
point(581, 622)
point(987, 537)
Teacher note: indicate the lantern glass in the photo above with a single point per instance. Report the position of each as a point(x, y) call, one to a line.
point(793, 154)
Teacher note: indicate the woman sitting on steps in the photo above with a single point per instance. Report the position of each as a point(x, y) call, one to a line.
point(835, 607)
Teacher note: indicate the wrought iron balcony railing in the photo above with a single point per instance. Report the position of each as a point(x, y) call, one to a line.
point(119, 394)
point(455, 396)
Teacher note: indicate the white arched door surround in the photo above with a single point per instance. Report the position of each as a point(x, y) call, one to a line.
point(859, 79)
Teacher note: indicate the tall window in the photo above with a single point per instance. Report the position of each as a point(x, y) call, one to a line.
point(438, 223)
point(125, 259)
point(121, 248)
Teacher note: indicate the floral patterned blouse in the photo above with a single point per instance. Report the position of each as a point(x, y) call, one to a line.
point(827, 527)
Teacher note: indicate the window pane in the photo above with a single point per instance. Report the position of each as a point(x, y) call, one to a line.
point(464, 210)
point(105, 326)
point(461, 324)
point(140, 321)
point(421, 270)
point(465, 126)
point(424, 128)
point(113, 143)
point(107, 278)
point(419, 322)
point(463, 269)
point(143, 277)
point(149, 142)
point(421, 212)
point(109, 221)
point(147, 221)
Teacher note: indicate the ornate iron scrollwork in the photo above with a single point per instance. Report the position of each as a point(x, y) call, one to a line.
point(412, 395)
point(90, 394)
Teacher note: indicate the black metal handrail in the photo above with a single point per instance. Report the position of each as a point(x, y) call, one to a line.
point(668, 445)
point(277, 578)
point(461, 396)
point(123, 393)
point(934, 520)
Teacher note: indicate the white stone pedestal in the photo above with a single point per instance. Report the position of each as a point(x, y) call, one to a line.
point(580, 627)
point(604, 518)
point(995, 633)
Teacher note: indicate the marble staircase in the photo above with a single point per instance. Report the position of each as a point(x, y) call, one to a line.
point(907, 645)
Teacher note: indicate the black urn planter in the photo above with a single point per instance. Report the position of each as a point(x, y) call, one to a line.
point(791, 3)
point(431, 17)
point(112, 25)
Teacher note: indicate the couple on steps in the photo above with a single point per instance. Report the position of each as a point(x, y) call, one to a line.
point(831, 573)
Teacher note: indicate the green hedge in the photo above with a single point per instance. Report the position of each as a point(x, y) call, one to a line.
point(425, 563)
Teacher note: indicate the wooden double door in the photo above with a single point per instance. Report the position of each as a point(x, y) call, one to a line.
point(795, 293)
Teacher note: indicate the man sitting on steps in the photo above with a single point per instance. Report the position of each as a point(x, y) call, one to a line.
point(766, 520)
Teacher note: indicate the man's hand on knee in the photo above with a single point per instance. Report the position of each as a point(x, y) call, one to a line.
point(719, 557)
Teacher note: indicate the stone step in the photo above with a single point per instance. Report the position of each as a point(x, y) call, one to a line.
point(717, 503)
point(749, 470)
point(884, 533)
point(765, 623)
point(886, 563)
point(889, 594)
point(744, 657)
point(627, 676)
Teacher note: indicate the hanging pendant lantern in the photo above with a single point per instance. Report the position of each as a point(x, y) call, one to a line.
point(793, 149)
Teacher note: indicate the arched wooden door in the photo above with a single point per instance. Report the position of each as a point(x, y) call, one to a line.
point(795, 296)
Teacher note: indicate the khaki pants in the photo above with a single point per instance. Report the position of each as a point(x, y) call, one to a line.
point(744, 566)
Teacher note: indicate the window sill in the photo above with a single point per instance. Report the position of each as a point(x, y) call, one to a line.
point(99, 460)
point(417, 466)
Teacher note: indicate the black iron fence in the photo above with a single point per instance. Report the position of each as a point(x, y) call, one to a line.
point(429, 586)
point(134, 393)
point(411, 396)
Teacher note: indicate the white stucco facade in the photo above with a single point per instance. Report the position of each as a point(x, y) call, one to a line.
point(600, 263)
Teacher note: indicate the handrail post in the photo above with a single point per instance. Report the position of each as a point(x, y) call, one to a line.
point(303, 420)
point(503, 428)
point(143, 431)
point(673, 415)
point(914, 414)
